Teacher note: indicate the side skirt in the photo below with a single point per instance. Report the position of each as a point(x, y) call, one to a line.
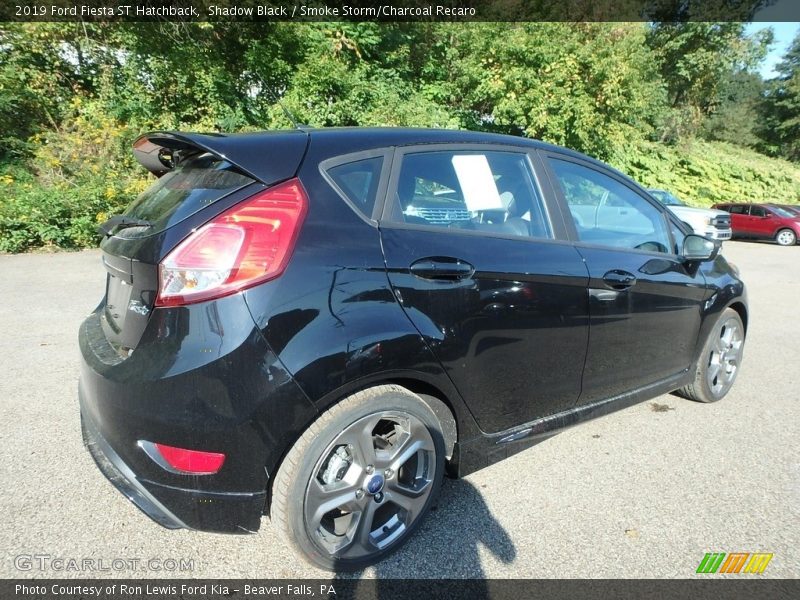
point(487, 449)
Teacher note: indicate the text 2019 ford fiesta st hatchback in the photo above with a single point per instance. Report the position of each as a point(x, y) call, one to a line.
point(319, 324)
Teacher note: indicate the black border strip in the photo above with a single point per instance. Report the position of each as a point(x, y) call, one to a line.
point(399, 10)
point(709, 586)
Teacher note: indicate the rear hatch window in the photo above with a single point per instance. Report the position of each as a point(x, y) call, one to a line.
point(193, 185)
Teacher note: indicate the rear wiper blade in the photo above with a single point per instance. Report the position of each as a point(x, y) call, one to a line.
point(122, 222)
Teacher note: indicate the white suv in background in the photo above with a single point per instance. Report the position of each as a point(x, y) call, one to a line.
point(708, 222)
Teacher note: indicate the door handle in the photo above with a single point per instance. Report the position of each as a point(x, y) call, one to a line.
point(619, 280)
point(446, 268)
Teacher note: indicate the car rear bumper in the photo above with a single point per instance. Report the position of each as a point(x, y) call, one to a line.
point(121, 476)
point(173, 507)
point(236, 400)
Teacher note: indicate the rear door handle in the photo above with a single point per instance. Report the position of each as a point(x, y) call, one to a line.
point(445, 268)
point(619, 280)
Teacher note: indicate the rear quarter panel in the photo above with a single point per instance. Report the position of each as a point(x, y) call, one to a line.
point(332, 318)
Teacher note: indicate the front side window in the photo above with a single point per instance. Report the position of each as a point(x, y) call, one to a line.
point(491, 192)
point(757, 211)
point(678, 237)
point(608, 213)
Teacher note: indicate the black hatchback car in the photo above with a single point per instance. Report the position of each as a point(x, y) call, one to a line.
point(319, 324)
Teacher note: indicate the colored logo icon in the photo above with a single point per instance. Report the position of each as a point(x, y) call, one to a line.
point(735, 562)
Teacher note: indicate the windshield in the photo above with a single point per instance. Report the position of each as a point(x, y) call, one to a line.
point(782, 212)
point(666, 198)
point(795, 210)
point(189, 187)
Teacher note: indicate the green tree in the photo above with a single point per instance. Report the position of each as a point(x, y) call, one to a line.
point(695, 61)
point(73, 96)
point(588, 86)
point(781, 107)
point(39, 73)
point(737, 116)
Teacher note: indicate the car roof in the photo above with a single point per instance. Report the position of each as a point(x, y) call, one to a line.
point(346, 140)
point(367, 138)
point(378, 137)
point(400, 135)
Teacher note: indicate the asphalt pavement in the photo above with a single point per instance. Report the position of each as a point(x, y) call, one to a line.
point(642, 493)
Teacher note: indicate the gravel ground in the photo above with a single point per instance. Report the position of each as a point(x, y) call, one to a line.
point(645, 492)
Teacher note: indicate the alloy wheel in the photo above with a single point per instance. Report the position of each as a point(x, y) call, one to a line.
point(370, 484)
point(724, 358)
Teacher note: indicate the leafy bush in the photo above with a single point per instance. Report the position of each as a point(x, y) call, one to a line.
point(63, 215)
point(704, 173)
point(84, 172)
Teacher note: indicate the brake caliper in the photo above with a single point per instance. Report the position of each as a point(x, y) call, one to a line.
point(336, 467)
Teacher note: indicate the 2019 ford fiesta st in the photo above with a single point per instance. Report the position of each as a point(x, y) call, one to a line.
point(318, 325)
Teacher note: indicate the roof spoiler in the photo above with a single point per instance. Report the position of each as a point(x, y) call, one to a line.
point(268, 157)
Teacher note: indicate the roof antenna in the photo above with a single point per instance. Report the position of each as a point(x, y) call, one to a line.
point(289, 115)
point(285, 110)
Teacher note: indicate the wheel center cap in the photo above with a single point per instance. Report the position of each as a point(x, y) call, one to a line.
point(375, 484)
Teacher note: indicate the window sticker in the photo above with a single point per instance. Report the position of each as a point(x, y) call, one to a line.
point(477, 182)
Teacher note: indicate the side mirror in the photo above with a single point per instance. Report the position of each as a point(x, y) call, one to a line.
point(696, 247)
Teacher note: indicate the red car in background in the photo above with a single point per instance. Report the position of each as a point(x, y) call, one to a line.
point(763, 221)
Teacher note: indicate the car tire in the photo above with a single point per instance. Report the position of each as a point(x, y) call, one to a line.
point(360, 479)
point(786, 237)
point(720, 360)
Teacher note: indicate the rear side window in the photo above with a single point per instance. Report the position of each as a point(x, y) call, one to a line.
point(188, 188)
point(491, 192)
point(737, 209)
point(358, 181)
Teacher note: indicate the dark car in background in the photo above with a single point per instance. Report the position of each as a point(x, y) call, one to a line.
point(288, 329)
point(763, 221)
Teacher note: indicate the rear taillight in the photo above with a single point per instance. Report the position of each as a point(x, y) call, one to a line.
point(248, 244)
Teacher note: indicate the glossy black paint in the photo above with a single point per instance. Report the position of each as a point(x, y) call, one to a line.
point(135, 261)
point(201, 377)
point(530, 337)
point(516, 327)
point(644, 333)
point(266, 156)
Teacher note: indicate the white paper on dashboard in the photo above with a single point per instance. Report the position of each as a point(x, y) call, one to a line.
point(477, 182)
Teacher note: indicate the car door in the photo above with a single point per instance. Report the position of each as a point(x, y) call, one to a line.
point(740, 219)
point(645, 303)
point(763, 222)
point(475, 260)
